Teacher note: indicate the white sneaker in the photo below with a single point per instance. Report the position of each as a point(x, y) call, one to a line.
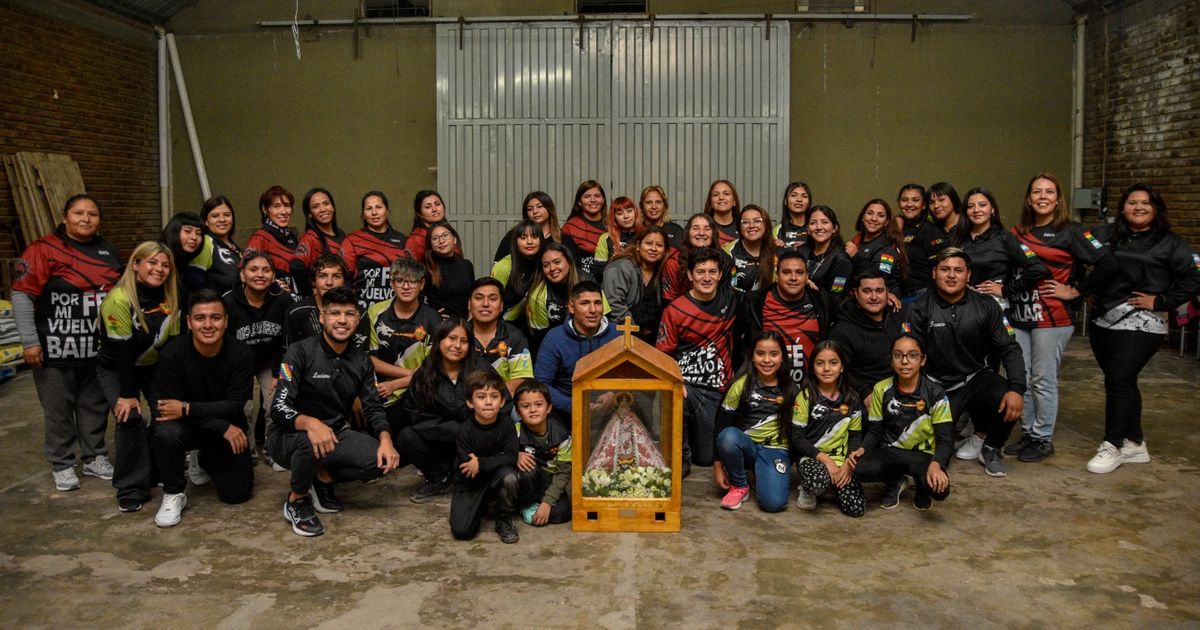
point(805, 500)
point(970, 449)
point(195, 473)
point(1107, 459)
point(65, 479)
point(171, 510)
point(99, 467)
point(1133, 453)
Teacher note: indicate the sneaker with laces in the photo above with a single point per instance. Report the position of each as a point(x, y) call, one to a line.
point(736, 496)
point(970, 448)
point(432, 489)
point(324, 497)
point(171, 510)
point(922, 501)
point(303, 517)
point(1015, 448)
point(1036, 451)
point(1107, 459)
point(66, 480)
point(892, 492)
point(129, 505)
point(1134, 453)
point(195, 474)
point(993, 461)
point(507, 530)
point(805, 500)
point(271, 460)
point(99, 467)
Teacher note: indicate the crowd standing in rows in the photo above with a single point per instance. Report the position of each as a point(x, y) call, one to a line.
point(922, 339)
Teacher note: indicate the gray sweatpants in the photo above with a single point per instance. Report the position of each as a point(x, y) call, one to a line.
point(75, 410)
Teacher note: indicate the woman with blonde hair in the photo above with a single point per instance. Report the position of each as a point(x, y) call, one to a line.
point(656, 211)
point(137, 318)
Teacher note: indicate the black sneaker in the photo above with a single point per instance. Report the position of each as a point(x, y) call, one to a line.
point(922, 500)
point(507, 530)
point(324, 497)
point(1016, 447)
point(303, 518)
point(1036, 451)
point(128, 505)
point(993, 462)
point(892, 492)
point(432, 489)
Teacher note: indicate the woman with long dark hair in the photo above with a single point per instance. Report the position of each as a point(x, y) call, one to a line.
point(700, 231)
point(1158, 272)
point(656, 211)
point(1041, 316)
point(1001, 266)
point(184, 235)
point(448, 285)
point(428, 208)
point(516, 270)
point(878, 244)
point(435, 405)
point(944, 207)
point(723, 205)
point(826, 428)
point(539, 208)
point(633, 282)
point(369, 251)
point(586, 223)
point(829, 268)
point(753, 253)
point(278, 240)
point(792, 228)
point(219, 255)
point(546, 306)
point(61, 278)
point(138, 317)
point(920, 236)
point(321, 232)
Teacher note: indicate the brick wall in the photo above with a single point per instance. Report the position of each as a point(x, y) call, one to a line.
point(1142, 110)
point(105, 117)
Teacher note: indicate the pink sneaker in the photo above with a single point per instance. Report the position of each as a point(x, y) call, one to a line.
point(735, 497)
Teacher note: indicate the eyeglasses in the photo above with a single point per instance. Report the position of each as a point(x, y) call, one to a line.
point(406, 282)
point(441, 238)
point(912, 356)
point(752, 221)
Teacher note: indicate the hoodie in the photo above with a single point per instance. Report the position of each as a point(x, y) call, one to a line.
point(562, 348)
point(867, 343)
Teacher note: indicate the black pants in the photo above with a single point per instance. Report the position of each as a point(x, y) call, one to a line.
point(532, 487)
point(352, 459)
point(700, 408)
point(232, 473)
point(470, 500)
point(981, 398)
point(890, 464)
point(133, 464)
point(1122, 354)
point(434, 458)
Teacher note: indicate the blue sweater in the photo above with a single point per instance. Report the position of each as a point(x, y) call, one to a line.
point(562, 348)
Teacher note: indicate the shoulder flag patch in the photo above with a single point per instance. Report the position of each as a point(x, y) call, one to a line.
point(286, 373)
point(906, 327)
point(1196, 260)
point(1087, 234)
point(1028, 252)
point(1008, 327)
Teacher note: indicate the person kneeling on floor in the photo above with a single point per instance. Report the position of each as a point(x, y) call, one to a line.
point(310, 432)
point(202, 383)
point(487, 460)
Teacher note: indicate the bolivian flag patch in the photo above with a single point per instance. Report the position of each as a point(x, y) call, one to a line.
point(839, 284)
point(1196, 260)
point(1008, 327)
point(286, 373)
point(1087, 234)
point(1029, 255)
point(885, 263)
point(906, 327)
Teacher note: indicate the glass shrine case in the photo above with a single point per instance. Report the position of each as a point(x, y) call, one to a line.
point(626, 438)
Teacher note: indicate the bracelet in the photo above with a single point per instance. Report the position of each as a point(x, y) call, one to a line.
point(187, 409)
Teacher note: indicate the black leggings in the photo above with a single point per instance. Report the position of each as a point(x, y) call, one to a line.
point(1122, 354)
point(814, 477)
point(532, 487)
point(470, 500)
point(890, 464)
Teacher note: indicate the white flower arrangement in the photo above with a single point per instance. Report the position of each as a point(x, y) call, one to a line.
point(641, 482)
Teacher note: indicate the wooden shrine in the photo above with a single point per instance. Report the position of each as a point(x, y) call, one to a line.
point(627, 438)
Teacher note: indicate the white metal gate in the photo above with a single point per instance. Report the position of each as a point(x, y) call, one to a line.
point(525, 107)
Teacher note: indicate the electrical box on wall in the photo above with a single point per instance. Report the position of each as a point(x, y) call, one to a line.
point(1087, 199)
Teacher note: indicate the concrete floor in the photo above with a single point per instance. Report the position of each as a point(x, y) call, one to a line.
point(1050, 545)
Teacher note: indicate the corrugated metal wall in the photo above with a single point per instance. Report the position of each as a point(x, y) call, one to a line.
point(524, 107)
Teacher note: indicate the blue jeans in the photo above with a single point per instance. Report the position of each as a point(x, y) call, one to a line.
point(772, 467)
point(1042, 349)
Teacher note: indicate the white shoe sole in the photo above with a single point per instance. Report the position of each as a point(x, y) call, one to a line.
point(1140, 458)
point(173, 523)
point(92, 473)
point(297, 530)
point(66, 488)
point(1104, 470)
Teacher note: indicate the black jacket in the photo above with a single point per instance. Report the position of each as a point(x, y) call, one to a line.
point(439, 419)
point(960, 337)
point(750, 318)
point(998, 255)
point(261, 328)
point(1160, 263)
point(316, 381)
point(216, 388)
point(867, 343)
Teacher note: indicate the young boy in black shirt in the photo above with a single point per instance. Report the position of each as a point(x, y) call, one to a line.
point(487, 459)
point(544, 459)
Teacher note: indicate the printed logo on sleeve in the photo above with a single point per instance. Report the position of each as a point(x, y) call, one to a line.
point(1087, 234)
point(1028, 252)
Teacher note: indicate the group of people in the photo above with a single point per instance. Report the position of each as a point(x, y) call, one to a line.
point(922, 339)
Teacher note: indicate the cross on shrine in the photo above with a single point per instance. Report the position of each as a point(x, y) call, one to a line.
point(628, 328)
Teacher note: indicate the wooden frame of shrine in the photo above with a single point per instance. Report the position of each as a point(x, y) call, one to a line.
point(627, 398)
